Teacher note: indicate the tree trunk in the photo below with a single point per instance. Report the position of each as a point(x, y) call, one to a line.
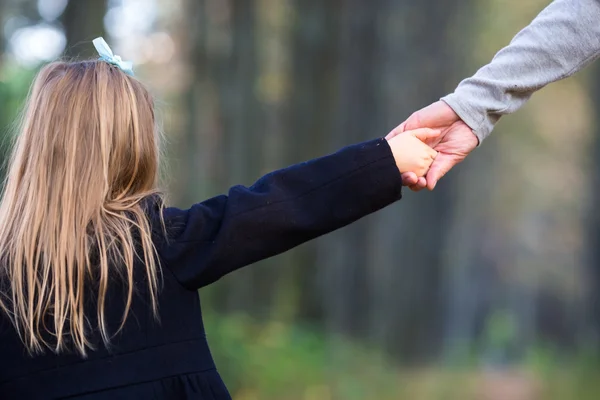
point(3, 17)
point(83, 22)
point(593, 224)
point(342, 260)
point(224, 137)
point(406, 259)
point(307, 134)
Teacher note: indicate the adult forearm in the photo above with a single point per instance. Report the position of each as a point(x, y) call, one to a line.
point(561, 40)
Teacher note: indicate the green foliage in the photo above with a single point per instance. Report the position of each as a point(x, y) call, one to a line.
point(14, 85)
point(500, 329)
point(542, 358)
point(276, 361)
point(269, 361)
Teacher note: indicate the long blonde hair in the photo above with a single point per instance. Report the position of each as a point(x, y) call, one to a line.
point(73, 203)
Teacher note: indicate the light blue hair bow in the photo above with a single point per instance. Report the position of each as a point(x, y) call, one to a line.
point(107, 55)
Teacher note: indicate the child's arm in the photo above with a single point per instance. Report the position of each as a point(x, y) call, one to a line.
point(289, 207)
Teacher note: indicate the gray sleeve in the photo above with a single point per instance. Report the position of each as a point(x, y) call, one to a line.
point(561, 40)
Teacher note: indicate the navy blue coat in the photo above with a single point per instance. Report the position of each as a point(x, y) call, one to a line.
point(171, 359)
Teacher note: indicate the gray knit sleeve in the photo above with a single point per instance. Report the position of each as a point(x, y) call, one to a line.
point(561, 40)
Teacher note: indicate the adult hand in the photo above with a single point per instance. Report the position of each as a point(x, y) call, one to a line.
point(455, 142)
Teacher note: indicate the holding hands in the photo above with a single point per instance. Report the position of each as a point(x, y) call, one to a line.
point(453, 142)
point(413, 157)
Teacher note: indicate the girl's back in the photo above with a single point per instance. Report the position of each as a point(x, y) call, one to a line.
point(98, 280)
point(147, 359)
point(86, 303)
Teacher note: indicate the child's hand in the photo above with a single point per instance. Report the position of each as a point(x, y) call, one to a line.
point(410, 153)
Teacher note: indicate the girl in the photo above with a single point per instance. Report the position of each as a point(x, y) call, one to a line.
point(99, 280)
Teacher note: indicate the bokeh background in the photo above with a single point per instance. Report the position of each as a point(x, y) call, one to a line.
point(485, 289)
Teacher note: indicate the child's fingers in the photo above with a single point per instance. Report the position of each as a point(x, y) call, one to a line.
point(424, 134)
point(409, 179)
point(420, 185)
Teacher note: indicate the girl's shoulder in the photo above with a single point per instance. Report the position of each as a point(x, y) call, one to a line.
point(166, 222)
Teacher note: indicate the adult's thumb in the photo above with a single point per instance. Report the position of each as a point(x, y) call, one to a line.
point(440, 167)
point(402, 126)
point(396, 131)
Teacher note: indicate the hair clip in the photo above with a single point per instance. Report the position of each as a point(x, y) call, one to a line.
point(107, 55)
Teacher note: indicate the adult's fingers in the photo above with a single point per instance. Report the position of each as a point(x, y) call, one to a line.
point(440, 167)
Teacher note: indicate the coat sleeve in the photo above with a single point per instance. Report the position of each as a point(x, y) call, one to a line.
point(280, 211)
point(562, 40)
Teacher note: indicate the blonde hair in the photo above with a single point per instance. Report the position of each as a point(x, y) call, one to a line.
point(72, 209)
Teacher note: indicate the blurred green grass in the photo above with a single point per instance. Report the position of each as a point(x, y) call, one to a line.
point(275, 361)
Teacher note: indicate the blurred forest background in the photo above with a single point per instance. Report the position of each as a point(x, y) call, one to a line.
point(486, 288)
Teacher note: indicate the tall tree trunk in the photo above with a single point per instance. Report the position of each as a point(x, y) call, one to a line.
point(307, 134)
point(342, 255)
point(406, 260)
point(242, 119)
point(3, 17)
point(83, 21)
point(593, 223)
point(224, 137)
